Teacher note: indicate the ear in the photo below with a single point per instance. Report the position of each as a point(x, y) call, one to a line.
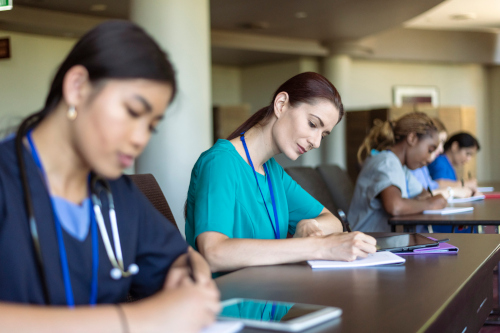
point(454, 146)
point(76, 85)
point(412, 139)
point(280, 104)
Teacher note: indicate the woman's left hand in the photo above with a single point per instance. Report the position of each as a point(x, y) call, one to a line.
point(180, 269)
point(308, 228)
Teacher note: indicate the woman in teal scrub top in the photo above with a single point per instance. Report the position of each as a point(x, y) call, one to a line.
point(241, 203)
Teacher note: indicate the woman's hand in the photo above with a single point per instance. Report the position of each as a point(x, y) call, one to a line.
point(180, 269)
point(183, 305)
point(462, 192)
point(348, 246)
point(188, 308)
point(308, 228)
point(471, 183)
point(437, 202)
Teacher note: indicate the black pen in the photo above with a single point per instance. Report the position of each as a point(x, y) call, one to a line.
point(429, 189)
point(343, 218)
point(442, 240)
point(190, 266)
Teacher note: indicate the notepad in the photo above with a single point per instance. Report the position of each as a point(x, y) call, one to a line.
point(449, 210)
point(223, 327)
point(485, 189)
point(378, 258)
point(462, 200)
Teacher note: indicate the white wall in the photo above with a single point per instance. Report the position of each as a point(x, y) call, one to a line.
point(371, 85)
point(25, 77)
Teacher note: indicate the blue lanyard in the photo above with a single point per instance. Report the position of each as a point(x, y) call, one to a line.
point(276, 221)
point(273, 312)
point(60, 241)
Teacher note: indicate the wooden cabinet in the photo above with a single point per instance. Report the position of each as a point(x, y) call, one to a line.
point(358, 124)
point(228, 118)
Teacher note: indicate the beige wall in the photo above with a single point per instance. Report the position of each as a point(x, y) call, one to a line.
point(226, 85)
point(26, 76)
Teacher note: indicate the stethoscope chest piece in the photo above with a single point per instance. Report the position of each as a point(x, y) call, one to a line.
point(117, 273)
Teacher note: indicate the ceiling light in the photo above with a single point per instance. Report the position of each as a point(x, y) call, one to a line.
point(463, 16)
point(98, 7)
point(300, 15)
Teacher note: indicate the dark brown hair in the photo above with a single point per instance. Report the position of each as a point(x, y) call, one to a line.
point(302, 88)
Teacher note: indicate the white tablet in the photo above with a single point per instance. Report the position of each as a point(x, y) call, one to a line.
point(278, 316)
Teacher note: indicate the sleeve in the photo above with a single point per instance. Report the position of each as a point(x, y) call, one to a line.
point(214, 198)
point(414, 185)
point(301, 205)
point(382, 175)
point(159, 243)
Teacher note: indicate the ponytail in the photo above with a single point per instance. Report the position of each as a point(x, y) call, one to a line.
point(386, 134)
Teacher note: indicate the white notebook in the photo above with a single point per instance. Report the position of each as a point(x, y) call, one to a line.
point(485, 189)
point(449, 210)
point(462, 200)
point(378, 258)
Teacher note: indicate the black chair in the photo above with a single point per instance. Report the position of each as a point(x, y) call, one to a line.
point(311, 181)
point(339, 184)
point(148, 185)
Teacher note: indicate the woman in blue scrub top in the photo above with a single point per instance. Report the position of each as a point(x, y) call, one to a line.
point(104, 102)
point(241, 203)
point(458, 150)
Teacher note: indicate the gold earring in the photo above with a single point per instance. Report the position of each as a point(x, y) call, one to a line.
point(72, 113)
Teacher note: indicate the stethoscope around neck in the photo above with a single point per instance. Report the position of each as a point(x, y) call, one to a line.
point(118, 271)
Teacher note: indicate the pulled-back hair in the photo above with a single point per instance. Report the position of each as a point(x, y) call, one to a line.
point(302, 88)
point(112, 50)
point(385, 134)
point(464, 140)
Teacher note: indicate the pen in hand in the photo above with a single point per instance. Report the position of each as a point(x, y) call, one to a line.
point(429, 189)
point(190, 266)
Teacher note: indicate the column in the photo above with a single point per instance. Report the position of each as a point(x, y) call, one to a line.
point(337, 69)
point(182, 28)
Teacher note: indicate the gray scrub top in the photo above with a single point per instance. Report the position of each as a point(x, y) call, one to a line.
point(366, 212)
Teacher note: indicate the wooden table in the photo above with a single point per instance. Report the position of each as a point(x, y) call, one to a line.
point(430, 293)
point(486, 212)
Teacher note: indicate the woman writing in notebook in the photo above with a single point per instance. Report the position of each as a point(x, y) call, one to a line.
point(241, 203)
point(458, 150)
point(423, 176)
point(76, 237)
point(385, 186)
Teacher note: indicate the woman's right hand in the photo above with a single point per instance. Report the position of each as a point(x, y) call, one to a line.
point(188, 308)
point(437, 202)
point(471, 183)
point(348, 246)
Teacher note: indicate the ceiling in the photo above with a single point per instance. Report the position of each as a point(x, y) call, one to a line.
point(325, 21)
point(470, 15)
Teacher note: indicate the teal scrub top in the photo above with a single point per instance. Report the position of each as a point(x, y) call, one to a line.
point(223, 196)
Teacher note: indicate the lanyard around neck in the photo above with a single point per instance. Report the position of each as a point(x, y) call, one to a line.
point(275, 225)
point(60, 241)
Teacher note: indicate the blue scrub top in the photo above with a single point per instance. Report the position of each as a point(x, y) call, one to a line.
point(441, 168)
point(223, 196)
point(147, 238)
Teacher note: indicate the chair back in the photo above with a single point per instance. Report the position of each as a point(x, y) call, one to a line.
point(311, 181)
point(148, 185)
point(339, 184)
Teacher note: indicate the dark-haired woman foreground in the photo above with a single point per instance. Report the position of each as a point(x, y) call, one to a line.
point(241, 203)
point(59, 242)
